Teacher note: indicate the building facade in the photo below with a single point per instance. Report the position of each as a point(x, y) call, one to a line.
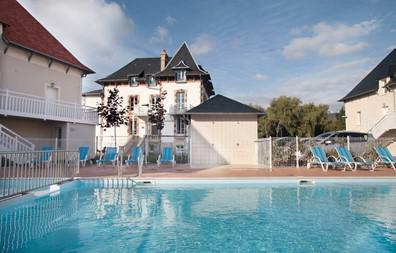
point(371, 105)
point(141, 82)
point(40, 86)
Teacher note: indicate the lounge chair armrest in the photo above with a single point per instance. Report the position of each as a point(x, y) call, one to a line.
point(360, 158)
point(385, 159)
point(343, 159)
point(316, 159)
point(333, 157)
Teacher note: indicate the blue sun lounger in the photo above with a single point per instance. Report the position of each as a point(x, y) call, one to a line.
point(167, 156)
point(319, 158)
point(137, 156)
point(84, 152)
point(352, 162)
point(385, 157)
point(110, 156)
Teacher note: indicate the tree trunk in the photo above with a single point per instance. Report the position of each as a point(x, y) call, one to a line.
point(115, 136)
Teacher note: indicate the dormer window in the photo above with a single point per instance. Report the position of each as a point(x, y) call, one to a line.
point(133, 82)
point(152, 82)
point(181, 75)
point(181, 71)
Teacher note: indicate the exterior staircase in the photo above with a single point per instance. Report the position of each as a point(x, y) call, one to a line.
point(384, 125)
point(11, 141)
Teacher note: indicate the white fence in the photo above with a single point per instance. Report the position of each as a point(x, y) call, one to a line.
point(295, 151)
point(25, 171)
point(26, 105)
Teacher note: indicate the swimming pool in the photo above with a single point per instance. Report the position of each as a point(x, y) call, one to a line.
point(86, 217)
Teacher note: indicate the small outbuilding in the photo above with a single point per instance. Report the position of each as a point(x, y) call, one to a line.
point(223, 131)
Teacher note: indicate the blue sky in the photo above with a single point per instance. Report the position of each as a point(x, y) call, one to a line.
point(254, 50)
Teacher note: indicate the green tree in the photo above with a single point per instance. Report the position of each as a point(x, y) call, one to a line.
point(283, 116)
point(156, 112)
point(287, 116)
point(112, 112)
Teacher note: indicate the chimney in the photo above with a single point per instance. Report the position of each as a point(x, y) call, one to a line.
point(163, 58)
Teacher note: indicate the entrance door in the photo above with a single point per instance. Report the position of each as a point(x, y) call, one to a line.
point(51, 93)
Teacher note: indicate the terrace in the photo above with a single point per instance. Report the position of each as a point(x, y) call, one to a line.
point(25, 105)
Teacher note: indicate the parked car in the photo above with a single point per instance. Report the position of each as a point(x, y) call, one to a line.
point(357, 140)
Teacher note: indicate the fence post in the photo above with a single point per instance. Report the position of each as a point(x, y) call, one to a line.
point(297, 154)
point(348, 143)
point(119, 174)
point(270, 153)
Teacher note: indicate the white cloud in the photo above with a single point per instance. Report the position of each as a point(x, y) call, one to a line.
point(330, 40)
point(161, 35)
point(91, 30)
point(203, 44)
point(326, 86)
point(260, 77)
point(351, 64)
point(170, 20)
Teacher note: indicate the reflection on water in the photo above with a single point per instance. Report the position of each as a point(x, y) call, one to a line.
point(341, 218)
point(34, 220)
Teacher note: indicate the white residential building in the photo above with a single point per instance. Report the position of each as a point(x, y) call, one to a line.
point(371, 105)
point(40, 87)
point(141, 81)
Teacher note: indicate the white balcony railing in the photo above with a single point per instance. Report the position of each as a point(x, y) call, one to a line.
point(25, 105)
point(179, 108)
point(140, 110)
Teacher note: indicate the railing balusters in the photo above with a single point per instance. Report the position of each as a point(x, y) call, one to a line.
point(24, 171)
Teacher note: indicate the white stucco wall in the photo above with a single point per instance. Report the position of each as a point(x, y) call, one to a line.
point(19, 74)
point(192, 89)
point(223, 139)
point(372, 108)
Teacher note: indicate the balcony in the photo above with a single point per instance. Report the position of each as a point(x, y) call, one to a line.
point(140, 111)
point(24, 105)
point(179, 108)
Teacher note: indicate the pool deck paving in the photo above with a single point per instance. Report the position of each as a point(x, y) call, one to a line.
point(228, 171)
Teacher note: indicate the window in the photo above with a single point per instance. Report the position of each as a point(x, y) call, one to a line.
point(154, 99)
point(181, 76)
point(180, 126)
point(152, 82)
point(133, 102)
point(133, 82)
point(179, 149)
point(358, 118)
point(133, 126)
point(180, 101)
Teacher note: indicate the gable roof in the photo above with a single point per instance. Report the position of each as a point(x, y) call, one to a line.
point(183, 54)
point(137, 67)
point(369, 84)
point(93, 93)
point(24, 31)
point(220, 104)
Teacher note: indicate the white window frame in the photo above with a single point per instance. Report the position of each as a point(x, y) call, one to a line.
point(134, 126)
point(181, 126)
point(151, 82)
point(180, 95)
point(133, 81)
point(181, 75)
point(133, 102)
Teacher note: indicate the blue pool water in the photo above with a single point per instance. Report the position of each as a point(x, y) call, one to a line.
point(205, 218)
